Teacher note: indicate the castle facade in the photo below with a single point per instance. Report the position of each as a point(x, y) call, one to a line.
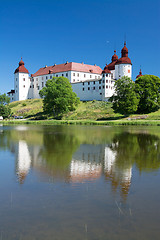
point(89, 82)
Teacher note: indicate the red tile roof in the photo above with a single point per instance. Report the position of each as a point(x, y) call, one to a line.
point(106, 70)
point(72, 66)
point(21, 68)
point(140, 74)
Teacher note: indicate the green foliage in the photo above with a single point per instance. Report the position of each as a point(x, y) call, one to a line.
point(58, 96)
point(4, 99)
point(125, 100)
point(148, 88)
point(5, 110)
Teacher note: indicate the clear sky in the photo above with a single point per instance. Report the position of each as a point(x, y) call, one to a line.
point(54, 31)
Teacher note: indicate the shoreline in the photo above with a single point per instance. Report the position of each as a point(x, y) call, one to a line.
point(83, 122)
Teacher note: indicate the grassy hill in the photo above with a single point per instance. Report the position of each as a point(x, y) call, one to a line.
point(93, 110)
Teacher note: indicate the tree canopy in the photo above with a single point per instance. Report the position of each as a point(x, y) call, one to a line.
point(148, 88)
point(5, 110)
point(125, 100)
point(58, 96)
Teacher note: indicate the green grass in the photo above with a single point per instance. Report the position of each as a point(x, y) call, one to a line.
point(92, 112)
point(28, 108)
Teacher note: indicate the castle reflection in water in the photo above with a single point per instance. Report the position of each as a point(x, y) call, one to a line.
point(88, 163)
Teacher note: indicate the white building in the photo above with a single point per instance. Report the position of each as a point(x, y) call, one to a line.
point(89, 82)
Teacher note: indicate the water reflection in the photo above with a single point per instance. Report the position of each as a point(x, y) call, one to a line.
point(80, 154)
point(23, 160)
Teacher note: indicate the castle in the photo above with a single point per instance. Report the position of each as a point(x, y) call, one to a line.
point(89, 82)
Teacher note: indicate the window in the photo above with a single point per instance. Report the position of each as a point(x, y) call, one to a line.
point(103, 75)
point(88, 83)
point(23, 79)
point(42, 78)
point(38, 87)
point(103, 81)
point(50, 76)
point(42, 84)
point(88, 88)
point(106, 81)
point(106, 86)
point(77, 74)
point(90, 76)
point(129, 71)
point(93, 88)
point(62, 75)
point(73, 74)
point(83, 83)
point(106, 74)
point(33, 86)
point(84, 75)
point(103, 86)
point(16, 79)
point(73, 80)
point(98, 77)
point(100, 93)
point(94, 82)
point(83, 89)
point(46, 77)
point(66, 74)
point(57, 75)
point(16, 86)
point(30, 86)
point(99, 82)
point(36, 79)
point(99, 87)
point(24, 86)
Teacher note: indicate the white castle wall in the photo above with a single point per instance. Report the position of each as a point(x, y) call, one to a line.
point(122, 70)
point(21, 86)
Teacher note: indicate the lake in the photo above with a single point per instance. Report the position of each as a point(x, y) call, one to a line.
point(79, 182)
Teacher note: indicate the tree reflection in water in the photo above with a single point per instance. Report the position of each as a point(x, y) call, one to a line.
point(77, 154)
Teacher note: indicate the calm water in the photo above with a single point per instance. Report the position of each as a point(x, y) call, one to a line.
point(79, 182)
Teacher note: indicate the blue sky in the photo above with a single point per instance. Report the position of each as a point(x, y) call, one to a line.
point(55, 31)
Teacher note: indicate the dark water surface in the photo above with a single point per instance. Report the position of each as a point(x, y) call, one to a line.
point(79, 182)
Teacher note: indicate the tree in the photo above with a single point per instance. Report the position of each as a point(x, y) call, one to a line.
point(5, 110)
point(125, 100)
point(148, 88)
point(58, 96)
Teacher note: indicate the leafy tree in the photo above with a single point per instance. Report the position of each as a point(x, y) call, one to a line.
point(5, 110)
point(58, 96)
point(125, 100)
point(4, 99)
point(148, 88)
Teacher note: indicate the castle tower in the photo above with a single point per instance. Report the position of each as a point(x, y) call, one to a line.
point(107, 84)
point(140, 74)
point(21, 82)
point(111, 66)
point(123, 66)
